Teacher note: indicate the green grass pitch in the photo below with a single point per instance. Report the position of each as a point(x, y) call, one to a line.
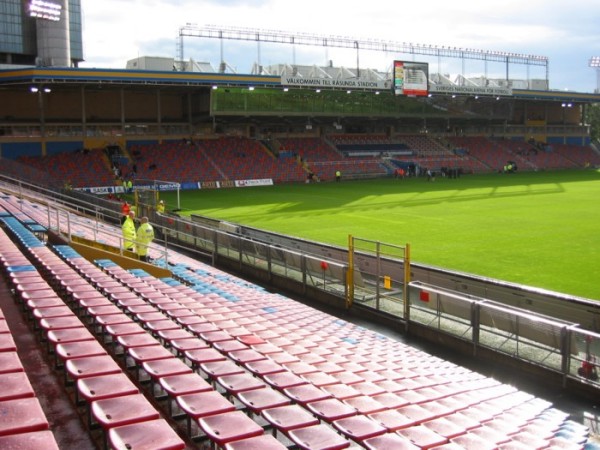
point(541, 229)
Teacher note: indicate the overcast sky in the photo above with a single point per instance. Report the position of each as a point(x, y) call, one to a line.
point(565, 31)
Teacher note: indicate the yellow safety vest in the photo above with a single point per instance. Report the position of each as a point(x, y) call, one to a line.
point(129, 234)
point(145, 235)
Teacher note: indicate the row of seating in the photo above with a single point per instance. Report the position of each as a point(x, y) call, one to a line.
point(24, 423)
point(229, 158)
point(290, 365)
point(82, 358)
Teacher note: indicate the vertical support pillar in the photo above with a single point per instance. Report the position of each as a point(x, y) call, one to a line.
point(350, 273)
point(406, 283)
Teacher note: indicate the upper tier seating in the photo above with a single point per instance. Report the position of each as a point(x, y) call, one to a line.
point(89, 168)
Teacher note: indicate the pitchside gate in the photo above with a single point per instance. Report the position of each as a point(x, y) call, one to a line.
point(378, 276)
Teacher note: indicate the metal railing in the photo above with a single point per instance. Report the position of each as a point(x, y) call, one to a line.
point(553, 344)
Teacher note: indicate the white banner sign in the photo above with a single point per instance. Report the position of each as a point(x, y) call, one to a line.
point(331, 83)
point(261, 182)
point(469, 90)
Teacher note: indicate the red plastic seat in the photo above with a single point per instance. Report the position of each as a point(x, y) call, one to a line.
point(246, 356)
point(331, 409)
point(91, 366)
point(422, 437)
point(127, 341)
point(105, 386)
point(359, 428)
point(234, 384)
point(29, 441)
point(188, 383)
point(68, 335)
point(203, 355)
point(283, 380)
point(306, 393)
point(164, 367)
point(365, 405)
point(263, 367)
point(319, 437)
point(223, 368)
point(10, 362)
point(72, 350)
point(202, 404)
point(22, 415)
point(263, 442)
point(15, 385)
point(154, 434)
point(60, 323)
point(7, 343)
point(470, 440)
point(123, 410)
point(260, 399)
point(391, 441)
point(46, 302)
point(183, 345)
point(231, 346)
point(228, 427)
point(445, 427)
point(215, 336)
point(341, 391)
point(145, 353)
point(289, 417)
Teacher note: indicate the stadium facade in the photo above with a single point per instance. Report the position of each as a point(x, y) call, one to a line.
point(61, 108)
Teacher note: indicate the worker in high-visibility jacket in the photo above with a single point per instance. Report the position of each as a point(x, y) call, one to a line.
point(145, 235)
point(129, 233)
point(160, 207)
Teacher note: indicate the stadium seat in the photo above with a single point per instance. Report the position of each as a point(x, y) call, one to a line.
point(257, 400)
point(30, 440)
point(318, 437)
point(201, 404)
point(263, 442)
point(395, 441)
point(229, 427)
point(182, 384)
point(22, 415)
point(156, 434)
point(10, 362)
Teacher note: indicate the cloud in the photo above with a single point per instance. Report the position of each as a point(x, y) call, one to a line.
point(118, 30)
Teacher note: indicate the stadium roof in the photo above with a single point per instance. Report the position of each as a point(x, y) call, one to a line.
point(372, 81)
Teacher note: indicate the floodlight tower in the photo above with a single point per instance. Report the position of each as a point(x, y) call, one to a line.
point(595, 63)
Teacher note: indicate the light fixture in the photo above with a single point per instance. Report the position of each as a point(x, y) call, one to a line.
point(251, 88)
point(286, 89)
point(33, 89)
point(318, 91)
point(348, 92)
point(376, 92)
point(215, 87)
point(47, 90)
